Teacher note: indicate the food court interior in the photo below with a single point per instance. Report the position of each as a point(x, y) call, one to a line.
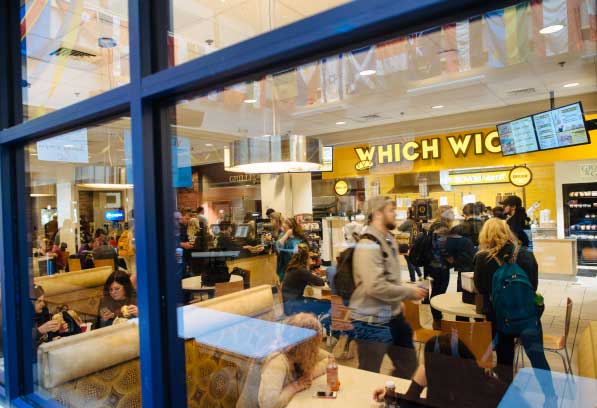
point(292, 158)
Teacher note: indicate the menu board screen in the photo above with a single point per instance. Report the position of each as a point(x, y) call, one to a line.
point(517, 137)
point(561, 127)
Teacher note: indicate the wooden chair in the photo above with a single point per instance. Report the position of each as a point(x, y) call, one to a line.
point(555, 344)
point(476, 336)
point(103, 262)
point(74, 264)
point(413, 317)
point(226, 288)
point(340, 315)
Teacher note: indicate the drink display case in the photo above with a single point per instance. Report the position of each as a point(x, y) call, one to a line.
point(580, 219)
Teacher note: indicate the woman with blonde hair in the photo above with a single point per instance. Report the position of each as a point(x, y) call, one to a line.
point(497, 246)
point(286, 373)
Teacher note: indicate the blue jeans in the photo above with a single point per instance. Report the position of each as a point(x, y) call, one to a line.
point(394, 339)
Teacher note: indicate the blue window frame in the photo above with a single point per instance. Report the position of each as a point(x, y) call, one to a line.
point(152, 87)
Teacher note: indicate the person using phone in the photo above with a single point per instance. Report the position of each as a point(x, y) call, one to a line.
point(119, 300)
point(286, 373)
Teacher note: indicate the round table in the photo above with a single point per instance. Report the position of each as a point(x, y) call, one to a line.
point(452, 303)
point(194, 283)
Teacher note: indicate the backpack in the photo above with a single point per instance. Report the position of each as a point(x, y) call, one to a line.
point(513, 299)
point(344, 278)
point(421, 249)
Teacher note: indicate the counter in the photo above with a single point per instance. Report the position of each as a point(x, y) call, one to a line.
point(556, 257)
point(262, 267)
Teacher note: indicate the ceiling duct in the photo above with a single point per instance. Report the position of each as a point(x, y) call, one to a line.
point(43, 190)
point(101, 178)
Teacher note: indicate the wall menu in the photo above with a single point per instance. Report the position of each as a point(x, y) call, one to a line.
point(561, 127)
point(518, 136)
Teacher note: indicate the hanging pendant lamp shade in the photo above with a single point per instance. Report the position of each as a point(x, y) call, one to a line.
point(274, 154)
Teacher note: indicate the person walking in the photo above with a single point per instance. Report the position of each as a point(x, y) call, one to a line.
point(380, 326)
point(498, 248)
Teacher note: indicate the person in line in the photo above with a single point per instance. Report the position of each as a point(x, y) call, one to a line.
point(225, 240)
point(472, 224)
point(286, 373)
point(119, 299)
point(498, 212)
point(201, 216)
point(445, 220)
point(297, 277)
point(517, 218)
point(438, 266)
point(44, 328)
point(380, 326)
point(184, 219)
point(222, 217)
point(287, 243)
point(409, 225)
point(499, 245)
point(452, 378)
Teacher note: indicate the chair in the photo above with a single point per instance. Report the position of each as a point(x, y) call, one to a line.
point(341, 315)
point(74, 264)
point(226, 288)
point(103, 262)
point(476, 336)
point(555, 344)
point(412, 316)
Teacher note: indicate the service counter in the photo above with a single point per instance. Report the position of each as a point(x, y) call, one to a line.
point(262, 268)
point(557, 258)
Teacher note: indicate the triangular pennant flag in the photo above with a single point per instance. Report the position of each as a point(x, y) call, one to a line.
point(309, 84)
point(331, 79)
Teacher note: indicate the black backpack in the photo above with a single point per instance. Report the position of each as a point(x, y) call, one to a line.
point(421, 250)
point(344, 278)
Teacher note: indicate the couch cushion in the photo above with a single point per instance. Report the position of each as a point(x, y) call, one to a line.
point(73, 281)
point(76, 356)
point(254, 302)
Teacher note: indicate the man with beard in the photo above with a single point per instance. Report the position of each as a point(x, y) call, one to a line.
point(380, 326)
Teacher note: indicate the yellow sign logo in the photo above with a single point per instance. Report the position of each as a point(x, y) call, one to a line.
point(520, 176)
point(341, 187)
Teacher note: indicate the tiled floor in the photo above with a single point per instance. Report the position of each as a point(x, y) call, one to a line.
point(582, 291)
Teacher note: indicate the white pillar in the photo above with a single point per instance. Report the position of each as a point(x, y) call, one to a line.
point(289, 194)
point(66, 207)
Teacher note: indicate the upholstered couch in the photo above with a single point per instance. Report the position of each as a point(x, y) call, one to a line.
point(101, 368)
point(587, 352)
point(80, 290)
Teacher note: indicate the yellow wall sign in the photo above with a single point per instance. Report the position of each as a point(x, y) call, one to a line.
point(341, 187)
point(425, 149)
point(490, 177)
point(520, 176)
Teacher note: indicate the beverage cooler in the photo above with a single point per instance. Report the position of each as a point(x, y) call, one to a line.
point(580, 219)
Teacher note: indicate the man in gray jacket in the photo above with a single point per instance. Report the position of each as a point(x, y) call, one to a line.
point(380, 326)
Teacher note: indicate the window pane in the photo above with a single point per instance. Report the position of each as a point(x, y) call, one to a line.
point(416, 120)
point(202, 26)
point(81, 230)
point(72, 50)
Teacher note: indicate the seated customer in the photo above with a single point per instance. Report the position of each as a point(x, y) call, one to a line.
point(101, 249)
point(297, 277)
point(119, 300)
point(44, 327)
point(452, 378)
point(289, 372)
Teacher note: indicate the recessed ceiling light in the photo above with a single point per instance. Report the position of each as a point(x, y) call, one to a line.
point(69, 145)
point(367, 72)
point(341, 123)
point(250, 100)
point(571, 85)
point(32, 154)
point(437, 107)
point(551, 29)
point(209, 144)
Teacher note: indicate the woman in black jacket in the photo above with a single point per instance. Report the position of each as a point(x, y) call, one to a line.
point(497, 246)
point(297, 277)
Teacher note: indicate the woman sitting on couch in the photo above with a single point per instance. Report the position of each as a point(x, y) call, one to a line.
point(119, 301)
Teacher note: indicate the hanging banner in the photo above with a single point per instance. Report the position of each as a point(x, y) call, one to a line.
point(181, 162)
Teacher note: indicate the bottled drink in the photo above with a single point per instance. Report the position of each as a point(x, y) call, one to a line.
point(390, 397)
point(332, 374)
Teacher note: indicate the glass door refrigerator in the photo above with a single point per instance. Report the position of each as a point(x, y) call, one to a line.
point(580, 219)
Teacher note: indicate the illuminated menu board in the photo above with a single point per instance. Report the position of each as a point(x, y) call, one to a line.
point(518, 137)
point(561, 127)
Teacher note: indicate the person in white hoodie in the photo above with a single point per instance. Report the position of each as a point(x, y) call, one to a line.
point(380, 326)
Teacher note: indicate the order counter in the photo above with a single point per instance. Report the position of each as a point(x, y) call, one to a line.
point(556, 257)
point(262, 268)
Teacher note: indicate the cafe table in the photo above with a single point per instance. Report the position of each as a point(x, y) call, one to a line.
point(452, 303)
point(194, 283)
point(356, 390)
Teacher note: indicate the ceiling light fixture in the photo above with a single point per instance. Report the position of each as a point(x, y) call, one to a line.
point(571, 85)
point(437, 107)
point(341, 123)
point(367, 72)
point(250, 100)
point(68, 146)
point(551, 29)
point(208, 144)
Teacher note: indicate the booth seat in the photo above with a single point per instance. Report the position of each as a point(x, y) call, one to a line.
point(80, 290)
point(587, 352)
point(101, 367)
